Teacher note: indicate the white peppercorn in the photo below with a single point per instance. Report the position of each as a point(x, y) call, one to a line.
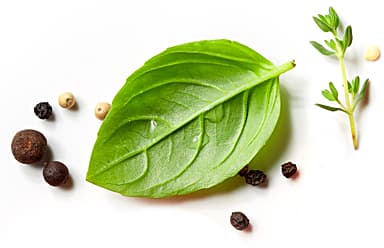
point(67, 100)
point(102, 110)
point(372, 53)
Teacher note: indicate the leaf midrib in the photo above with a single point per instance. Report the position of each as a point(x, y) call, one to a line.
point(254, 137)
point(243, 123)
point(271, 74)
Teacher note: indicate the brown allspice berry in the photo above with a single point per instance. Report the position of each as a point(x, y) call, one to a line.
point(29, 146)
point(55, 173)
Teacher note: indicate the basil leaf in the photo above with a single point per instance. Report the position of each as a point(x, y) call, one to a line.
point(188, 119)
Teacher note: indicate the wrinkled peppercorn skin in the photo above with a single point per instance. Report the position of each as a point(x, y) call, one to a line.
point(43, 110)
point(239, 220)
point(255, 177)
point(288, 169)
point(29, 146)
point(55, 173)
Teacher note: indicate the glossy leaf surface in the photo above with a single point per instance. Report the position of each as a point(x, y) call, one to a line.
point(188, 119)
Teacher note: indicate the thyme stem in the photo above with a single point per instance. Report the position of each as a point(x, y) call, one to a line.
point(348, 107)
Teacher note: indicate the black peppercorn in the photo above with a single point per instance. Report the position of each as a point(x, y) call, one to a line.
point(288, 169)
point(243, 171)
point(239, 220)
point(255, 177)
point(28, 146)
point(43, 110)
point(55, 173)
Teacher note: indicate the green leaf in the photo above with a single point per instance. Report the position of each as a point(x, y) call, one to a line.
point(355, 85)
point(335, 18)
point(328, 23)
point(331, 44)
point(349, 87)
point(362, 93)
point(333, 90)
point(188, 119)
point(347, 38)
point(328, 95)
point(340, 43)
point(321, 48)
point(329, 108)
point(322, 23)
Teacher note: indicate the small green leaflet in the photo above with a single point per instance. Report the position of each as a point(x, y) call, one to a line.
point(321, 48)
point(188, 119)
point(329, 108)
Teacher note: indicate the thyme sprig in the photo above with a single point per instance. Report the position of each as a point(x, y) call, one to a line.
point(337, 47)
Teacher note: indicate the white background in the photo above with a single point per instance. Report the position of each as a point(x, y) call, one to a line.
point(91, 47)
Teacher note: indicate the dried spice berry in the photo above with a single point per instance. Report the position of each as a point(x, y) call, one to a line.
point(67, 100)
point(372, 53)
point(101, 110)
point(29, 146)
point(255, 177)
point(55, 173)
point(43, 110)
point(239, 220)
point(243, 171)
point(288, 169)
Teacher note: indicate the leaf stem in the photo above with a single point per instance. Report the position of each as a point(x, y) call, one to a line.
point(353, 130)
point(345, 83)
point(285, 67)
point(349, 108)
point(340, 104)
